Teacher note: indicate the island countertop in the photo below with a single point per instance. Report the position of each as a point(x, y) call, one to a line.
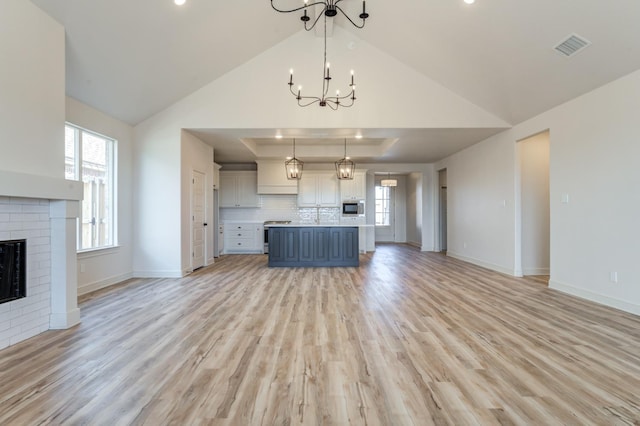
point(316, 225)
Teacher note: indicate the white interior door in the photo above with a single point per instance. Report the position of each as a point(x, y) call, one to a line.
point(197, 220)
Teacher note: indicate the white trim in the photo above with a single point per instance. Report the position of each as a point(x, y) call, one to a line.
point(484, 264)
point(62, 321)
point(595, 297)
point(159, 274)
point(97, 285)
point(98, 251)
point(536, 271)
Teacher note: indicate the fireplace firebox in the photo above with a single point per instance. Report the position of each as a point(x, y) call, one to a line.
point(13, 256)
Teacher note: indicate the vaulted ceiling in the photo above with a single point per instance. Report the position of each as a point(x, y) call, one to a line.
point(132, 59)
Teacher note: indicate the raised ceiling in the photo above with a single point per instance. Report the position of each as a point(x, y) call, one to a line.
point(132, 59)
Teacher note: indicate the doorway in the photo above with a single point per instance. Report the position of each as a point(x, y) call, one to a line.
point(534, 155)
point(197, 220)
point(385, 213)
point(442, 185)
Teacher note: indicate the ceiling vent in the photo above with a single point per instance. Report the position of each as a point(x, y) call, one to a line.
point(572, 45)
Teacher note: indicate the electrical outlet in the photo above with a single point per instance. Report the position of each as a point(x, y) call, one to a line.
point(82, 267)
point(613, 277)
point(464, 245)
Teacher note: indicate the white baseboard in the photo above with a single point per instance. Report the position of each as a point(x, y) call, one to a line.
point(595, 297)
point(97, 285)
point(158, 274)
point(535, 271)
point(482, 263)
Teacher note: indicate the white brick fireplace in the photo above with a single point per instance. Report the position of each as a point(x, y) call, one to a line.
point(42, 211)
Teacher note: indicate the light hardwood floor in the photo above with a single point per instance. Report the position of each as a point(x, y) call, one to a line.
point(409, 338)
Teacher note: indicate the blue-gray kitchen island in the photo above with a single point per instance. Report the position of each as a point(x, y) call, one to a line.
point(313, 245)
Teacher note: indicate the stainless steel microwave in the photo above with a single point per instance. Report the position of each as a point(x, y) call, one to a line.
point(353, 208)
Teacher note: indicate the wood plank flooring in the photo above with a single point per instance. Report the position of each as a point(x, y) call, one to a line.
point(409, 338)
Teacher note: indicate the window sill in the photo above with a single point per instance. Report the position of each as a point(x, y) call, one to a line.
point(101, 251)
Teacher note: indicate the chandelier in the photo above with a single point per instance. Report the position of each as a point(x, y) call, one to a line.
point(293, 166)
point(329, 8)
point(333, 102)
point(388, 181)
point(345, 168)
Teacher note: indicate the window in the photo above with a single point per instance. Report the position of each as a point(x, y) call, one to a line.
point(89, 157)
point(383, 206)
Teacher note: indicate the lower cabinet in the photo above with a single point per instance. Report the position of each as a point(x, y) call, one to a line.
point(313, 246)
point(240, 237)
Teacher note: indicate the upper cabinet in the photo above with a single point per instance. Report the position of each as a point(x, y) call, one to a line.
point(354, 189)
point(272, 178)
point(318, 189)
point(238, 189)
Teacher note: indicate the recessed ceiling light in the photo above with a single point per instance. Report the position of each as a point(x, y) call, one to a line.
point(469, 1)
point(179, 2)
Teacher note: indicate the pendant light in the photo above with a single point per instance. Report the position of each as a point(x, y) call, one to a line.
point(293, 166)
point(345, 168)
point(388, 181)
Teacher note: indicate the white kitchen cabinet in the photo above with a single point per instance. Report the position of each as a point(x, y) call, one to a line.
point(243, 237)
point(238, 189)
point(272, 178)
point(318, 190)
point(354, 189)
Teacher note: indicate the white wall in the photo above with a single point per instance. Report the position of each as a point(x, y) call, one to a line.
point(198, 156)
point(593, 161)
point(32, 84)
point(534, 173)
point(480, 203)
point(105, 267)
point(414, 209)
point(157, 212)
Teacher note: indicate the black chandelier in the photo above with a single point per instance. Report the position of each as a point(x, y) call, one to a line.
point(330, 8)
point(333, 102)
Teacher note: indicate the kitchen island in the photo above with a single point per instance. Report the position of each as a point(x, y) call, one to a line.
point(313, 245)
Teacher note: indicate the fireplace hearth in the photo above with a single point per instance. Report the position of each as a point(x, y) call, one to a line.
point(13, 255)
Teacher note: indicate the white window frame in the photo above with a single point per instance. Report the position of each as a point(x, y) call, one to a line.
point(79, 132)
point(387, 213)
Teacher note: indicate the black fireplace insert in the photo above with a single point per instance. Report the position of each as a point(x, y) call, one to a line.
point(13, 260)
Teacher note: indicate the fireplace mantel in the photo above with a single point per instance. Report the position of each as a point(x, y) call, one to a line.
point(23, 185)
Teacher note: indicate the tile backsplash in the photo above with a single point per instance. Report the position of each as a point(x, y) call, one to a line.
point(281, 207)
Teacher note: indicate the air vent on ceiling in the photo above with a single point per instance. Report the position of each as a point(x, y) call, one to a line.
point(572, 45)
